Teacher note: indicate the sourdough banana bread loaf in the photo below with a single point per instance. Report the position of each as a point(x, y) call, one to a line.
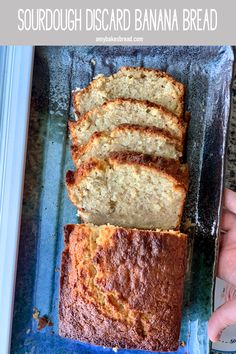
point(128, 137)
point(132, 82)
point(122, 288)
point(119, 111)
point(130, 190)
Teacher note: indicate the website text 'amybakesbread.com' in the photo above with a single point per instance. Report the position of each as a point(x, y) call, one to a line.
point(118, 39)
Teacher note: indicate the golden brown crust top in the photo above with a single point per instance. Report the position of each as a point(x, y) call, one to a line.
point(122, 282)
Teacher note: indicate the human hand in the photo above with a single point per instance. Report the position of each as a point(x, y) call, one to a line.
point(225, 315)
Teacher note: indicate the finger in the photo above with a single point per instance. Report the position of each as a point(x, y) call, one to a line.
point(228, 220)
point(224, 316)
point(227, 264)
point(230, 200)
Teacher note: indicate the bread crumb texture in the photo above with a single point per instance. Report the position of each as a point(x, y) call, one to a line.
point(125, 111)
point(133, 82)
point(128, 137)
point(130, 190)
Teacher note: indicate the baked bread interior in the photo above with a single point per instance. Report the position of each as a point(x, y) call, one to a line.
point(125, 111)
point(127, 137)
point(130, 190)
point(132, 82)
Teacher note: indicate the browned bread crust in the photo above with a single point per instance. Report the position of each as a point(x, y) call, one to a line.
point(77, 151)
point(170, 167)
point(173, 169)
point(120, 287)
point(98, 81)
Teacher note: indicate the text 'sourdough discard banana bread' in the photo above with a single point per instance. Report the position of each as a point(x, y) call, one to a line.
point(119, 111)
point(128, 137)
point(130, 190)
point(122, 287)
point(132, 82)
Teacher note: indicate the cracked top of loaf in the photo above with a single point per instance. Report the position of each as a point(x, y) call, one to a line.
point(122, 287)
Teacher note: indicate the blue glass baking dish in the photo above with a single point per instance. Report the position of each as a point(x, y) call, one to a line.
point(207, 73)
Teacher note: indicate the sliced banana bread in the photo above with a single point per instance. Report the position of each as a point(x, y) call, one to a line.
point(119, 111)
point(132, 82)
point(127, 137)
point(122, 288)
point(130, 190)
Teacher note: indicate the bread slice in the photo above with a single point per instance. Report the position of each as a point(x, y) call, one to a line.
point(125, 111)
point(127, 137)
point(130, 190)
point(122, 288)
point(132, 82)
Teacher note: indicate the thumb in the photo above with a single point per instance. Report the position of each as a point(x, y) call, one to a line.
point(223, 316)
